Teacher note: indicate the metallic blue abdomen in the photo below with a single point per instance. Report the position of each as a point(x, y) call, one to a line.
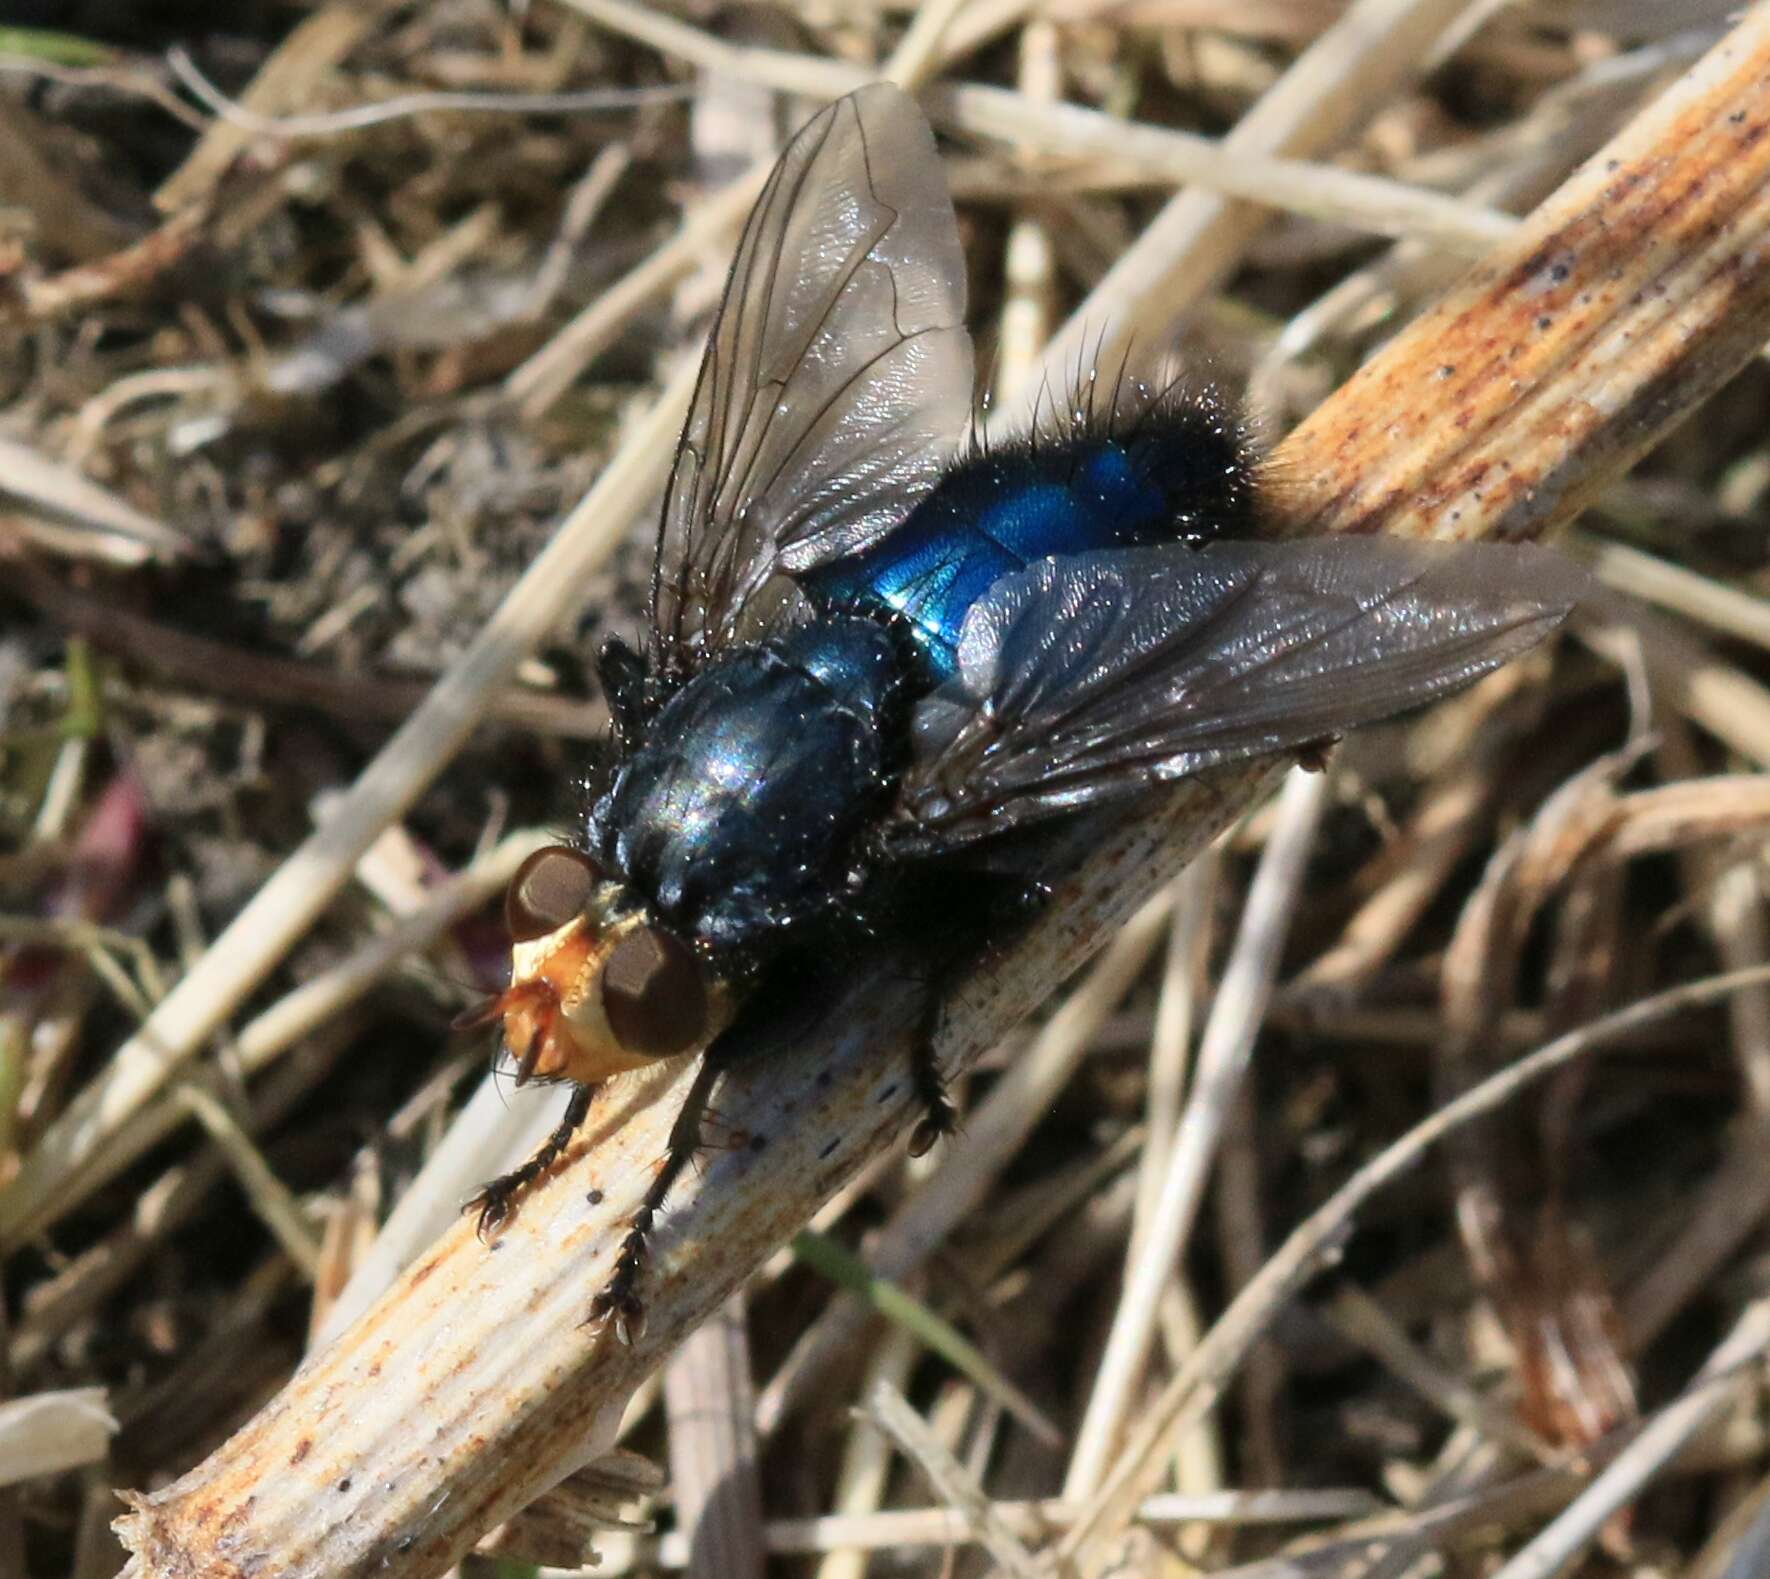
point(996, 514)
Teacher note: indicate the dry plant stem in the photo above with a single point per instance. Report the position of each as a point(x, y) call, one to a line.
point(59, 1172)
point(272, 1200)
point(266, 1037)
point(1028, 258)
point(1742, 934)
point(1310, 112)
point(1199, 236)
point(1170, 1050)
point(545, 376)
point(224, 669)
point(95, 521)
point(1366, 1322)
point(1660, 1439)
point(711, 1409)
point(867, 1457)
point(949, 1478)
point(1225, 1049)
point(485, 1347)
point(1317, 1241)
point(93, 1276)
point(1464, 1498)
point(46, 1433)
point(857, 1534)
point(1637, 288)
point(551, 371)
point(487, 1136)
point(1729, 610)
point(286, 81)
point(1688, 677)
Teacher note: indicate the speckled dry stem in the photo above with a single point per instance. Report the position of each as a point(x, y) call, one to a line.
point(1629, 295)
point(472, 1386)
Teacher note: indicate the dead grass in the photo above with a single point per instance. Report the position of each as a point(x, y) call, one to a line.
point(317, 330)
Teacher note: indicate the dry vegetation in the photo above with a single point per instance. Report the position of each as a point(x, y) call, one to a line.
point(1262, 1251)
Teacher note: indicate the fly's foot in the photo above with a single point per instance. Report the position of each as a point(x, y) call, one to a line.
point(939, 1116)
point(941, 1119)
point(492, 1202)
point(618, 1303)
point(1312, 755)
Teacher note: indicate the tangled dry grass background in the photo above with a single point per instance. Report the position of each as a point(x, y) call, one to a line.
point(319, 318)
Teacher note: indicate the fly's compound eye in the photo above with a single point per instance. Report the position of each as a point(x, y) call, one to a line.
point(550, 888)
point(654, 993)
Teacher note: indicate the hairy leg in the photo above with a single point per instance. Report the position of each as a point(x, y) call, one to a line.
point(939, 1117)
point(782, 1009)
point(951, 916)
point(619, 1299)
point(494, 1198)
point(939, 940)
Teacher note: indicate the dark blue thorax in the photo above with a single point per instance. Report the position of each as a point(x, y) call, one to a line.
point(995, 514)
point(741, 811)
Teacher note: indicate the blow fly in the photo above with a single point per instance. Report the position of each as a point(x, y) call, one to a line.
point(882, 665)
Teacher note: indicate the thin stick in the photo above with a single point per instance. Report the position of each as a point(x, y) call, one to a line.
point(964, 1496)
point(1729, 610)
point(941, 1527)
point(1314, 1243)
point(711, 1408)
point(1199, 237)
point(1224, 1051)
point(299, 1013)
point(1389, 36)
point(1628, 1475)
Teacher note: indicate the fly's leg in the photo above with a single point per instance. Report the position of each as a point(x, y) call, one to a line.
point(626, 683)
point(776, 1012)
point(493, 1199)
point(998, 903)
point(619, 1300)
point(939, 1116)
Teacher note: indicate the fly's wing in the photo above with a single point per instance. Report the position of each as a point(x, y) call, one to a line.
point(1087, 678)
point(836, 380)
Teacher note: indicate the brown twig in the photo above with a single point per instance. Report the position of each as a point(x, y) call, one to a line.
point(220, 668)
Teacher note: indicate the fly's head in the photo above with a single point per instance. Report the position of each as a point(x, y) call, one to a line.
point(596, 987)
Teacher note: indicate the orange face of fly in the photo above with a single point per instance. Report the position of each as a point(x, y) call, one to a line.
point(595, 989)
